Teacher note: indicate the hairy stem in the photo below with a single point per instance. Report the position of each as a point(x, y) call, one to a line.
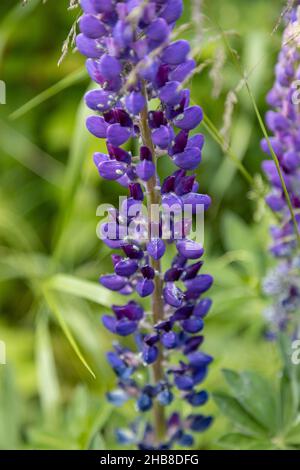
point(154, 199)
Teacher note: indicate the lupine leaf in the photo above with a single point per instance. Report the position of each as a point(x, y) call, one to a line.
point(255, 396)
point(231, 408)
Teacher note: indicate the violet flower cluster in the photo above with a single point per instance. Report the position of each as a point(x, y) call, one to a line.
point(134, 61)
point(283, 283)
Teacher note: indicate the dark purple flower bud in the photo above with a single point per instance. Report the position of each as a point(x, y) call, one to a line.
point(173, 295)
point(123, 34)
point(148, 272)
point(119, 154)
point(97, 126)
point(169, 340)
point(135, 102)
point(173, 274)
point(199, 284)
point(133, 251)
point(203, 307)
point(183, 313)
point(192, 325)
point(145, 170)
point(156, 249)
point(189, 249)
point(145, 287)
point(126, 268)
point(184, 382)
point(189, 159)
point(145, 153)
point(191, 118)
point(197, 399)
point(191, 271)
point(88, 47)
point(151, 339)
point(136, 191)
point(111, 170)
point(199, 423)
point(118, 135)
point(165, 325)
point(192, 344)
point(183, 71)
point(198, 202)
point(113, 282)
point(150, 354)
point(176, 52)
point(91, 27)
point(132, 311)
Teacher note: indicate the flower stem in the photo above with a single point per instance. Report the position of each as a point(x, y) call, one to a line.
point(154, 199)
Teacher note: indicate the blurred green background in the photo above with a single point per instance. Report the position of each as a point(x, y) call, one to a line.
point(50, 257)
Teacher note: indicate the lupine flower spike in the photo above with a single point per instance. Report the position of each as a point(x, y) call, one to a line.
point(283, 283)
point(131, 57)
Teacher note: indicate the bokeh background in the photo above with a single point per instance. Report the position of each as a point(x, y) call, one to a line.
point(50, 257)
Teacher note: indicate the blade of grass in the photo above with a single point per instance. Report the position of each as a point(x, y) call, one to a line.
point(50, 299)
point(264, 131)
point(84, 289)
point(29, 155)
point(72, 79)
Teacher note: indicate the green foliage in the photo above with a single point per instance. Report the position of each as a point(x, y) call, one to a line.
point(265, 416)
point(50, 258)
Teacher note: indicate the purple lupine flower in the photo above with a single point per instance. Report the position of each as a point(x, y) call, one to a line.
point(282, 284)
point(132, 60)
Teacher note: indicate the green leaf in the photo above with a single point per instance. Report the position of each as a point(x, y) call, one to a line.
point(289, 399)
point(84, 289)
point(51, 301)
point(231, 408)
point(256, 396)
point(46, 371)
point(237, 441)
point(9, 409)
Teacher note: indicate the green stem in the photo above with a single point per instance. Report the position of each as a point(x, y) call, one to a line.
point(154, 199)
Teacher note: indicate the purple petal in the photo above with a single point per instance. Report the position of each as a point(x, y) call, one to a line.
point(111, 170)
point(135, 102)
point(126, 268)
point(113, 282)
point(97, 126)
point(191, 118)
point(189, 249)
point(118, 135)
point(91, 27)
point(156, 249)
point(145, 287)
